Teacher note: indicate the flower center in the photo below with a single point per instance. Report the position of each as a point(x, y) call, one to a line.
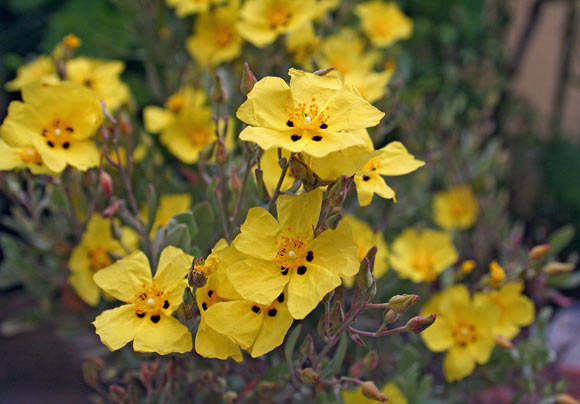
point(88, 82)
point(30, 155)
point(278, 17)
point(175, 102)
point(99, 258)
point(199, 137)
point(464, 333)
point(424, 264)
point(372, 165)
point(307, 117)
point(58, 133)
point(381, 28)
point(212, 298)
point(458, 209)
point(223, 35)
point(150, 300)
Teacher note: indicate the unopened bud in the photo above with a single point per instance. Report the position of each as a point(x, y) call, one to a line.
point(401, 303)
point(323, 72)
point(309, 376)
point(496, 274)
point(418, 324)
point(230, 397)
point(264, 386)
point(221, 154)
point(112, 209)
point(333, 220)
point(467, 266)
point(503, 342)
point(260, 185)
point(298, 169)
point(338, 191)
point(390, 316)
point(106, 183)
point(71, 41)
point(188, 302)
point(235, 181)
point(540, 251)
point(248, 80)
point(196, 279)
point(557, 268)
point(356, 338)
point(364, 279)
point(218, 93)
point(565, 399)
point(370, 390)
point(371, 360)
point(90, 373)
point(125, 127)
point(117, 393)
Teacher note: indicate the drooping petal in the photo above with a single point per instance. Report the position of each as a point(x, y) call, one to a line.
point(116, 327)
point(258, 233)
point(347, 110)
point(481, 349)
point(307, 290)
point(235, 320)
point(125, 278)
point(396, 160)
point(257, 280)
point(165, 336)
point(299, 214)
point(458, 363)
point(335, 251)
point(210, 344)
point(276, 323)
point(369, 184)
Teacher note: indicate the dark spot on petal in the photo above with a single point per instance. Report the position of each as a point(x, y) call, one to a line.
point(155, 318)
point(290, 123)
point(255, 309)
point(210, 293)
point(366, 178)
point(50, 144)
point(317, 138)
point(280, 298)
point(309, 256)
point(69, 129)
point(66, 145)
point(44, 132)
point(284, 270)
point(295, 137)
point(140, 314)
point(323, 126)
point(301, 270)
point(272, 312)
point(166, 304)
point(204, 306)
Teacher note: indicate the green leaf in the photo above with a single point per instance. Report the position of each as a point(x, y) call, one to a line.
point(291, 344)
point(178, 236)
point(204, 217)
point(336, 361)
point(185, 218)
point(560, 238)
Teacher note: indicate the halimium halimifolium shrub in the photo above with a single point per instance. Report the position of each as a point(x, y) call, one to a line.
point(239, 215)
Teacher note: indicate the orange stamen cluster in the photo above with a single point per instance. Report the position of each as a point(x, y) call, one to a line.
point(99, 258)
point(292, 251)
point(200, 137)
point(278, 16)
point(150, 300)
point(424, 264)
point(308, 116)
point(58, 133)
point(464, 333)
point(223, 35)
point(30, 155)
point(175, 102)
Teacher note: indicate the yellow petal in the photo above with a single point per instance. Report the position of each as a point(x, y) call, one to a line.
point(300, 214)
point(125, 278)
point(84, 285)
point(166, 336)
point(438, 336)
point(273, 331)
point(307, 290)
point(210, 344)
point(369, 184)
point(257, 280)
point(257, 234)
point(335, 251)
point(157, 119)
point(348, 111)
point(172, 268)
point(458, 363)
point(235, 320)
point(396, 160)
point(116, 327)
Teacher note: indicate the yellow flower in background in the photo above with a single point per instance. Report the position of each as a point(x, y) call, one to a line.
point(208, 342)
point(169, 206)
point(516, 309)
point(103, 76)
point(315, 114)
point(496, 274)
point(93, 253)
point(186, 124)
point(384, 22)
point(302, 44)
point(58, 120)
point(216, 38)
point(40, 69)
point(393, 160)
point(284, 253)
point(263, 20)
point(186, 7)
point(455, 208)
point(22, 156)
point(365, 238)
point(463, 329)
point(421, 255)
point(146, 317)
point(391, 390)
point(467, 266)
point(272, 170)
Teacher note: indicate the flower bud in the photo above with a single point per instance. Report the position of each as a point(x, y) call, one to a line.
point(117, 393)
point(298, 169)
point(467, 266)
point(264, 386)
point(503, 342)
point(221, 154)
point(248, 80)
point(401, 303)
point(390, 316)
point(557, 268)
point(71, 41)
point(338, 191)
point(333, 220)
point(309, 376)
point(371, 360)
point(112, 209)
point(260, 185)
point(188, 302)
point(323, 72)
point(565, 399)
point(356, 338)
point(230, 397)
point(496, 274)
point(218, 93)
point(90, 373)
point(418, 324)
point(540, 251)
point(235, 181)
point(370, 390)
point(106, 183)
point(196, 279)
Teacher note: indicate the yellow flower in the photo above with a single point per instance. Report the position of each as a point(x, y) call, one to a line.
point(21, 156)
point(302, 44)
point(93, 254)
point(103, 76)
point(216, 37)
point(59, 121)
point(146, 317)
point(421, 255)
point(516, 309)
point(391, 390)
point(40, 69)
point(72, 41)
point(186, 124)
point(272, 170)
point(383, 22)
point(467, 266)
point(455, 208)
point(463, 329)
point(284, 253)
point(263, 20)
point(393, 160)
point(169, 206)
point(187, 7)
point(315, 114)
point(496, 274)
point(208, 342)
point(365, 238)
